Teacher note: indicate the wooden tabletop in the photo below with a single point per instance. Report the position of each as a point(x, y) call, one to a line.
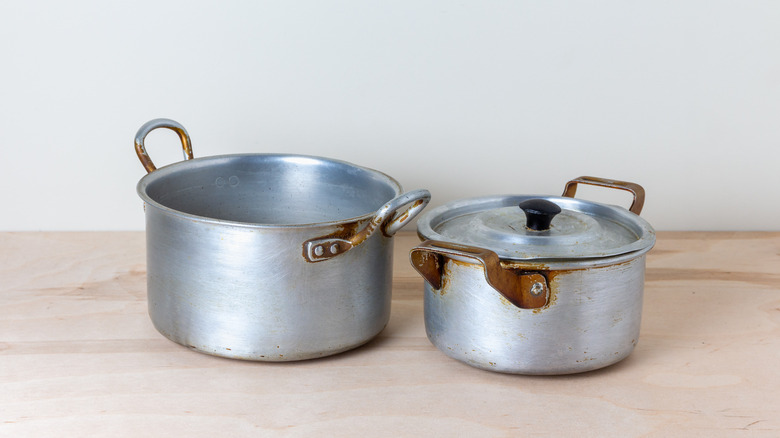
point(79, 357)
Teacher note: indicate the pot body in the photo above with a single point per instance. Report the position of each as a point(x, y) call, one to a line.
point(591, 319)
point(271, 257)
point(247, 292)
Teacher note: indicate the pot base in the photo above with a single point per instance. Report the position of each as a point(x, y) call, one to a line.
point(507, 366)
point(280, 355)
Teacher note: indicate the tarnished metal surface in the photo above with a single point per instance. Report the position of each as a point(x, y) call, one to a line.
point(524, 289)
point(592, 320)
point(226, 253)
point(589, 265)
point(582, 230)
point(247, 293)
point(389, 218)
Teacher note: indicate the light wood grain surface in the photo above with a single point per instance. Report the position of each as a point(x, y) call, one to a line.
point(79, 357)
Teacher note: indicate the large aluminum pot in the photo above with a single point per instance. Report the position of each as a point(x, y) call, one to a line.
point(535, 284)
point(269, 257)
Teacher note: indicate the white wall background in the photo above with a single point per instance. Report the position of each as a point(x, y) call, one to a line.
point(462, 98)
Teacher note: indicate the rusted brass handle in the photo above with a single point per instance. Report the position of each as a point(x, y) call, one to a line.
point(150, 126)
point(524, 289)
point(389, 218)
point(416, 200)
point(639, 193)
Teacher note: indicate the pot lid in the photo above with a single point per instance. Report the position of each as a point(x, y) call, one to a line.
point(538, 227)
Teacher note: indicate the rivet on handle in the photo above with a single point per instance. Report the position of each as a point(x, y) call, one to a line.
point(390, 218)
point(524, 289)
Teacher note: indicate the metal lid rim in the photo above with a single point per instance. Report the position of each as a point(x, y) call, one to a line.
point(435, 216)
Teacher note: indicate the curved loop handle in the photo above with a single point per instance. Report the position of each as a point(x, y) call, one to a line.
point(388, 218)
point(524, 289)
point(416, 199)
point(150, 126)
point(639, 193)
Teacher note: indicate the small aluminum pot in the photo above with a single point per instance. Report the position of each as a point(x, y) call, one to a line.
point(552, 287)
point(269, 257)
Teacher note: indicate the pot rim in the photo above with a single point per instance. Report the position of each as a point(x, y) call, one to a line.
point(575, 264)
point(428, 222)
point(164, 171)
point(545, 265)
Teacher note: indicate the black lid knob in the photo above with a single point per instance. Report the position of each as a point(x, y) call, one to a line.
point(539, 213)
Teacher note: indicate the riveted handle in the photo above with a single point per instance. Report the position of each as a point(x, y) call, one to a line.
point(639, 193)
point(150, 126)
point(524, 289)
point(539, 213)
point(390, 218)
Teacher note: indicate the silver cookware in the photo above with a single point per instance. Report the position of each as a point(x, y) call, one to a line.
point(535, 284)
point(270, 257)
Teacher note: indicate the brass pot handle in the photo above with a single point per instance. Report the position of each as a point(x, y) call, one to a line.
point(390, 218)
point(150, 126)
point(639, 193)
point(416, 201)
point(524, 289)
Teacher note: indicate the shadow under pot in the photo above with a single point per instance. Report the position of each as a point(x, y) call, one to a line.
point(269, 257)
point(535, 284)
